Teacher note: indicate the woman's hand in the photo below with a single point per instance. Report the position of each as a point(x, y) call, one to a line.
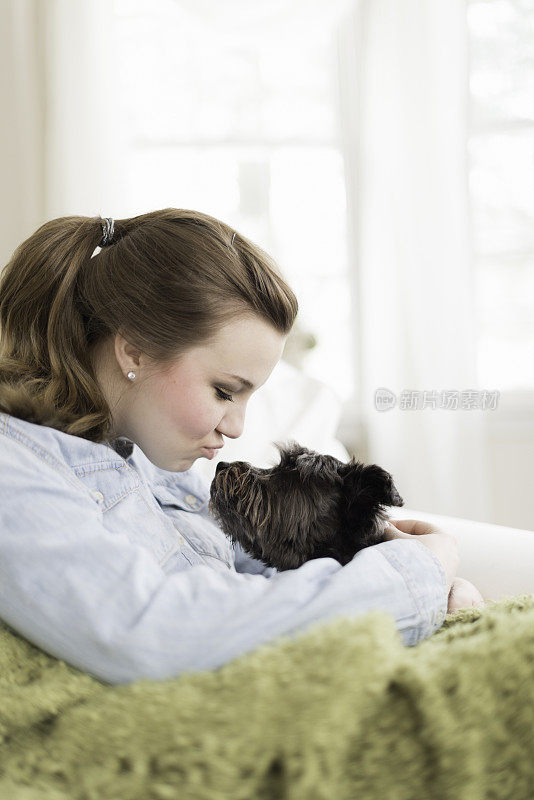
point(463, 595)
point(443, 545)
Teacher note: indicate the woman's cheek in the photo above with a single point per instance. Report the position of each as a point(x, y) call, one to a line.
point(187, 412)
point(204, 415)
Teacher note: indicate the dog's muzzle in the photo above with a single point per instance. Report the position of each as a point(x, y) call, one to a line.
point(229, 483)
point(219, 485)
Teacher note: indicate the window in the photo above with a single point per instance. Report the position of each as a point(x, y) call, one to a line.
point(248, 134)
point(501, 182)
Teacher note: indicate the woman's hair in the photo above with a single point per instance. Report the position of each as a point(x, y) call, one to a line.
point(169, 281)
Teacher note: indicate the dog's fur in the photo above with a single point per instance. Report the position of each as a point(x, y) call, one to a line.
point(307, 506)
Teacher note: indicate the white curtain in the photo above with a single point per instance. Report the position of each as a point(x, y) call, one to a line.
point(404, 104)
point(82, 143)
point(59, 146)
point(238, 21)
point(21, 130)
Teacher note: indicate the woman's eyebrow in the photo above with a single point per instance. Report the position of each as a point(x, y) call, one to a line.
point(246, 383)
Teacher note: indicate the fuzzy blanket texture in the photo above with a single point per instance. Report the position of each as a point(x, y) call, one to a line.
point(340, 710)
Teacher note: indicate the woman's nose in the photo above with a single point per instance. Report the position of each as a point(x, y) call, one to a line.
point(232, 424)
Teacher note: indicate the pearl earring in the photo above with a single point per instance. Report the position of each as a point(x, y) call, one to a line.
point(131, 375)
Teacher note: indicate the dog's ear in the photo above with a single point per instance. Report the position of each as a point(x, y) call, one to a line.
point(367, 491)
point(371, 485)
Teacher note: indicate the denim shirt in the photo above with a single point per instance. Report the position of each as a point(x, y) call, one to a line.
point(118, 568)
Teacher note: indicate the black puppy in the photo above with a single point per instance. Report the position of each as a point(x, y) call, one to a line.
point(307, 506)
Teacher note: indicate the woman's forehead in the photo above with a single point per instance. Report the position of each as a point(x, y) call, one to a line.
point(246, 341)
point(242, 357)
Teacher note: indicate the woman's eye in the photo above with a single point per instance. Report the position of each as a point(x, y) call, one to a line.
point(223, 395)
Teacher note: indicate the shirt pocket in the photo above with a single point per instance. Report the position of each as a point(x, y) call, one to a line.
point(207, 542)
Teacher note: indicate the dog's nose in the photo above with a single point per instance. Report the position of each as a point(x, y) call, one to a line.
point(220, 465)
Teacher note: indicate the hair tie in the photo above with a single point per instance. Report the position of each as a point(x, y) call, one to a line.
point(108, 227)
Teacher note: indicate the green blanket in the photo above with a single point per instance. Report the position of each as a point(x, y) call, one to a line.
point(341, 710)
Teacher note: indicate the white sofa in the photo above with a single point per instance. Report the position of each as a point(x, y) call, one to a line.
point(498, 560)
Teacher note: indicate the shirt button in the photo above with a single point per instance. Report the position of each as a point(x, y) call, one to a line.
point(191, 500)
point(99, 497)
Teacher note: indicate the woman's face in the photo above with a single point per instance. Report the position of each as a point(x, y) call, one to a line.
point(172, 414)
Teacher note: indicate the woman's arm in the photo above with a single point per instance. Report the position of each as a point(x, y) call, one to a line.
point(103, 604)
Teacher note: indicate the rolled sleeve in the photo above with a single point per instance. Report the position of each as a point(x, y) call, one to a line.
point(426, 582)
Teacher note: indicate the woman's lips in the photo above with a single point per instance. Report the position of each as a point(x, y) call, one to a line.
point(211, 451)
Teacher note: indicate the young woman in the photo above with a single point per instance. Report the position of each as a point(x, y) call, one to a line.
point(118, 370)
